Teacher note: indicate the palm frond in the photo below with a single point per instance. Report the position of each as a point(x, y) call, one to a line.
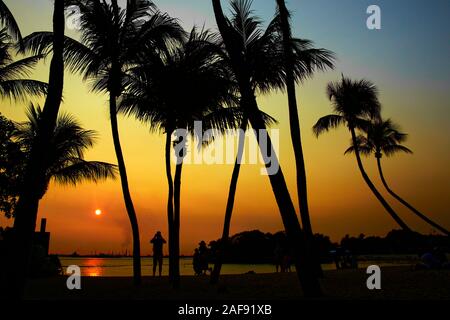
point(364, 147)
point(328, 122)
point(77, 57)
point(80, 170)
point(20, 89)
point(390, 150)
point(20, 68)
point(7, 20)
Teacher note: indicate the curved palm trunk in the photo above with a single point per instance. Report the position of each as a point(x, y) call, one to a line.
point(294, 122)
point(230, 204)
point(306, 268)
point(294, 232)
point(406, 204)
point(176, 224)
point(18, 256)
point(374, 190)
point(126, 191)
point(170, 217)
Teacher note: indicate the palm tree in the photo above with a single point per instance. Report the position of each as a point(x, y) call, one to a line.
point(14, 84)
point(384, 137)
point(354, 104)
point(9, 22)
point(34, 177)
point(65, 163)
point(263, 48)
point(312, 59)
point(238, 50)
point(112, 41)
point(195, 72)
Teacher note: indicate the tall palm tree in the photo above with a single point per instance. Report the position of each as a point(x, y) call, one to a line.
point(113, 39)
point(236, 44)
point(384, 137)
point(313, 59)
point(8, 21)
point(262, 48)
point(27, 205)
point(65, 163)
point(14, 82)
point(354, 104)
point(196, 73)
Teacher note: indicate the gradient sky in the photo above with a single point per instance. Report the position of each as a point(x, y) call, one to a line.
point(408, 59)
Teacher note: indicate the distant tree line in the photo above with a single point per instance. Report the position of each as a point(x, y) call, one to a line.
point(259, 247)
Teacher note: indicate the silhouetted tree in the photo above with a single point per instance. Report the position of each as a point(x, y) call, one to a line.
point(311, 60)
point(384, 137)
point(354, 104)
point(244, 72)
point(263, 49)
point(27, 205)
point(112, 41)
point(172, 91)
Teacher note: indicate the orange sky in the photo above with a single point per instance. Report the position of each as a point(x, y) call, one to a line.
point(340, 201)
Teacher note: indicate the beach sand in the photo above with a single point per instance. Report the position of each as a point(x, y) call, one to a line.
point(396, 283)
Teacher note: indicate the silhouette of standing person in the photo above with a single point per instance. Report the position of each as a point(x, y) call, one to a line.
point(158, 242)
point(203, 252)
point(197, 263)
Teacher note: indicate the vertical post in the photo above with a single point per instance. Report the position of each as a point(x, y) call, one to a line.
point(43, 225)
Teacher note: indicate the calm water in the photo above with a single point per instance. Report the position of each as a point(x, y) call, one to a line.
point(123, 267)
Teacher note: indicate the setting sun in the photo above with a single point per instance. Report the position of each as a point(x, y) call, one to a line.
point(98, 212)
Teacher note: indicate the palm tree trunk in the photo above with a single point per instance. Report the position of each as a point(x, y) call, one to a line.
point(20, 247)
point(294, 122)
point(170, 217)
point(176, 224)
point(306, 268)
point(374, 190)
point(230, 204)
point(126, 191)
point(406, 204)
point(294, 232)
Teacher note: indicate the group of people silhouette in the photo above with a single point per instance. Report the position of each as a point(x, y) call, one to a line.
point(200, 259)
point(282, 259)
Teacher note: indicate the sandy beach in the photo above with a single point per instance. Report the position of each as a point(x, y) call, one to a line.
point(402, 283)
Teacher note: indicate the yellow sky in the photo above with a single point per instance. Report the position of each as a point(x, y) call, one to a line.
point(340, 202)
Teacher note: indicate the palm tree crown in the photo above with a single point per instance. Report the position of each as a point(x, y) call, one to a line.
point(263, 50)
point(190, 83)
point(382, 137)
point(354, 103)
point(65, 163)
